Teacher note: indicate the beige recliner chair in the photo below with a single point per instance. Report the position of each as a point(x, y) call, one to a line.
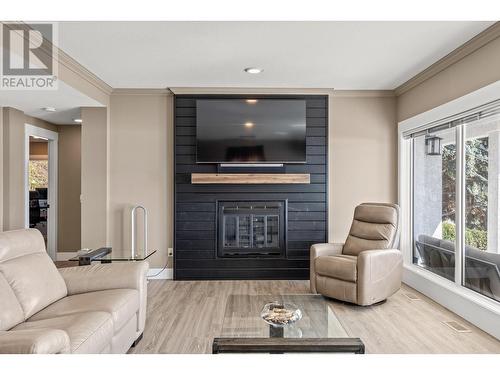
point(368, 267)
point(91, 309)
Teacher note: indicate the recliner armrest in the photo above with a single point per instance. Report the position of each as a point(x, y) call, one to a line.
point(325, 249)
point(319, 250)
point(379, 274)
point(96, 277)
point(34, 341)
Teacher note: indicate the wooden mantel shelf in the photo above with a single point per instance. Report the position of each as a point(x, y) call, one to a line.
point(250, 178)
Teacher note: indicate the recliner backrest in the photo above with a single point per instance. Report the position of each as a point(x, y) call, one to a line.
point(29, 273)
point(375, 226)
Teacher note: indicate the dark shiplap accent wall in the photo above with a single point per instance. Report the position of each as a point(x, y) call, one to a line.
point(195, 205)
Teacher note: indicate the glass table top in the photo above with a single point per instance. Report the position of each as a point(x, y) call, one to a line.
point(242, 318)
point(117, 255)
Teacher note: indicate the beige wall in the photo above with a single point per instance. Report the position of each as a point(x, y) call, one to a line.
point(363, 155)
point(94, 187)
point(141, 169)
point(69, 182)
point(13, 169)
point(474, 71)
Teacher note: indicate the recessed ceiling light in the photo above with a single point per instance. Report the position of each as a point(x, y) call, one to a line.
point(248, 124)
point(251, 101)
point(49, 109)
point(77, 120)
point(254, 70)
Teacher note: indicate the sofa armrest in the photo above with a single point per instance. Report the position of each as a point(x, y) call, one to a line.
point(96, 277)
point(34, 341)
point(318, 250)
point(379, 275)
point(118, 275)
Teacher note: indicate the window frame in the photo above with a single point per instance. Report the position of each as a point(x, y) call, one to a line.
point(477, 308)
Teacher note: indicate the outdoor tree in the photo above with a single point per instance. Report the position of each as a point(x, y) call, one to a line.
point(38, 174)
point(476, 191)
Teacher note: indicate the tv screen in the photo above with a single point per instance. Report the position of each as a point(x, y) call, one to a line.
point(251, 131)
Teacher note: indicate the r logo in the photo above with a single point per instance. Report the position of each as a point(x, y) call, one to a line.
point(28, 49)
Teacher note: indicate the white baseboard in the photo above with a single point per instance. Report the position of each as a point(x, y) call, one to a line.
point(479, 310)
point(158, 274)
point(61, 256)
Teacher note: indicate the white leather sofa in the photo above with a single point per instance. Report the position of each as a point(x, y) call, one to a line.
point(91, 309)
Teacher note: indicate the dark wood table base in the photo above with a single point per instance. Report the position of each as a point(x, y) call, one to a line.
point(287, 345)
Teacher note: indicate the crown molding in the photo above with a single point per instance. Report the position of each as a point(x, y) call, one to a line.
point(363, 94)
point(128, 91)
point(287, 91)
point(480, 40)
point(67, 61)
point(249, 90)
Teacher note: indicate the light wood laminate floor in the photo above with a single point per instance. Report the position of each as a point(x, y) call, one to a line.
point(185, 316)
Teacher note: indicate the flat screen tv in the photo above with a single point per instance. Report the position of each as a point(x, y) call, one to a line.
point(250, 131)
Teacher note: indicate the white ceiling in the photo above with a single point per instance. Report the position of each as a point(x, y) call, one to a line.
point(63, 115)
point(341, 55)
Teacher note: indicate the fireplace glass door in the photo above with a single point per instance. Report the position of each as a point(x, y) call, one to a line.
point(251, 228)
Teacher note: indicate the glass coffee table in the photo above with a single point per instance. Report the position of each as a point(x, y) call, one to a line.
point(108, 255)
point(319, 330)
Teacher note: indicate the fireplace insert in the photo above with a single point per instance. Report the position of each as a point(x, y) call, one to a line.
point(251, 228)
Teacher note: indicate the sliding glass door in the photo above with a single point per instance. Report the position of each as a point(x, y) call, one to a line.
point(455, 200)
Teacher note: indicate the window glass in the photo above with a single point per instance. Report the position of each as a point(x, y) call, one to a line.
point(434, 178)
point(482, 172)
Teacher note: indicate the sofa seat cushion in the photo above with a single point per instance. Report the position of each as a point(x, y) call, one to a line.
point(343, 267)
point(88, 332)
point(122, 304)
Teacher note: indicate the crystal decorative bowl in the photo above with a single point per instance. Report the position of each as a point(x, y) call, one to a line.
point(279, 314)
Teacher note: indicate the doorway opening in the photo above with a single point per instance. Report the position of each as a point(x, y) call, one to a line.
point(38, 180)
point(41, 184)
